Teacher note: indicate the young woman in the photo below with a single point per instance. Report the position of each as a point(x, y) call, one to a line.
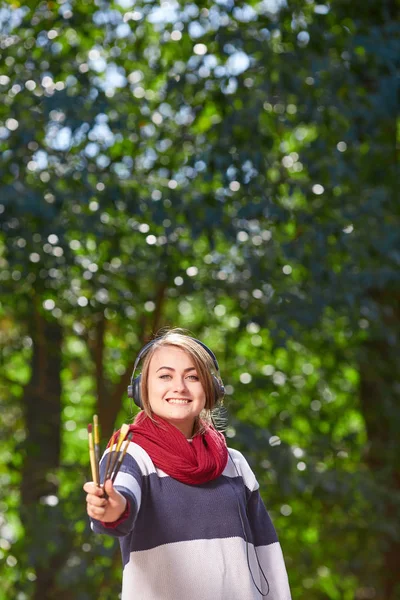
point(186, 509)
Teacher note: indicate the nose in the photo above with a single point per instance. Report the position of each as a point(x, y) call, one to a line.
point(179, 385)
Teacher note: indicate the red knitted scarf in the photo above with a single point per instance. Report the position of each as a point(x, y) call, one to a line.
point(194, 462)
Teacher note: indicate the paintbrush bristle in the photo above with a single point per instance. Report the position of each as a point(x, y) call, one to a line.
point(121, 457)
point(124, 430)
point(122, 435)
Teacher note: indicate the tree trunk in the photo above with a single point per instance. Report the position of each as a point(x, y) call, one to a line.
point(40, 514)
point(379, 392)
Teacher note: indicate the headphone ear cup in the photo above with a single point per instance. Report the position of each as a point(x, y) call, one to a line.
point(137, 391)
point(219, 389)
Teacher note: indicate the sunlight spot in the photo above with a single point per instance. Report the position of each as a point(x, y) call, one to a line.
point(82, 301)
point(49, 304)
point(274, 440)
point(200, 49)
point(286, 510)
point(50, 500)
point(318, 189)
point(245, 378)
point(242, 236)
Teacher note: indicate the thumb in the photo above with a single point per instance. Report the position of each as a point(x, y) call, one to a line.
point(111, 492)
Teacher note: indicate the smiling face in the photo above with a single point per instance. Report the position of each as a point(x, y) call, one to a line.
point(174, 389)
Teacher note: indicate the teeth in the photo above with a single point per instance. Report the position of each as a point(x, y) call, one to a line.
point(176, 401)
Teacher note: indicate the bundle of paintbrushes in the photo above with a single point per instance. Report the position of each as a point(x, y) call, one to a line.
point(114, 457)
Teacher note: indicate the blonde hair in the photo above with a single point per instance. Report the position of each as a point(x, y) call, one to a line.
point(204, 364)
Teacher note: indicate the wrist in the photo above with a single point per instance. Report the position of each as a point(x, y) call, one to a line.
point(124, 515)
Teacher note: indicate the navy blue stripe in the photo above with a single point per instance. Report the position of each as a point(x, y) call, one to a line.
point(263, 530)
point(172, 511)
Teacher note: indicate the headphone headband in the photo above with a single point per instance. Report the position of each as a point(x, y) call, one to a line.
point(147, 347)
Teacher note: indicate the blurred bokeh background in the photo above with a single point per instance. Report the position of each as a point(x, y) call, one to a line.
point(228, 167)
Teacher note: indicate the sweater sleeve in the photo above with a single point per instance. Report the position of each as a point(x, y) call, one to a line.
point(129, 483)
point(268, 558)
point(268, 550)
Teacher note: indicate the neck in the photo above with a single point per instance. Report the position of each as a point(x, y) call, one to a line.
point(186, 429)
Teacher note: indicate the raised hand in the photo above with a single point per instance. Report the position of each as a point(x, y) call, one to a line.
point(98, 507)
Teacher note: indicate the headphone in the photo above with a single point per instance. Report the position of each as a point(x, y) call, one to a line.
point(134, 389)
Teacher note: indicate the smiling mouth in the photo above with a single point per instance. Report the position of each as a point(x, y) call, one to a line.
point(178, 401)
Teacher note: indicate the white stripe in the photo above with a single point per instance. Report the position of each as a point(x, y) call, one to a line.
point(144, 461)
point(129, 482)
point(237, 466)
point(271, 559)
point(177, 571)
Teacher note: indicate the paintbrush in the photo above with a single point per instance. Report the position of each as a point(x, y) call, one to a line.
point(92, 455)
point(122, 456)
point(108, 464)
point(109, 458)
point(122, 434)
point(97, 444)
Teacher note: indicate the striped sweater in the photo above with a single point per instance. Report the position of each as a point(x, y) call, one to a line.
point(212, 541)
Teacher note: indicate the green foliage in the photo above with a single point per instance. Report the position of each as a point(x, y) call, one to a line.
point(230, 168)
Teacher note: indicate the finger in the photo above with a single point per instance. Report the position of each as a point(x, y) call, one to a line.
point(96, 512)
point(95, 500)
point(90, 487)
point(110, 490)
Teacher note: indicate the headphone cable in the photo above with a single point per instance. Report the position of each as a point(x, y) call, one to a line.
point(245, 535)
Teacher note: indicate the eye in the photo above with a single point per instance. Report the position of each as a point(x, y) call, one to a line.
point(165, 377)
point(193, 377)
